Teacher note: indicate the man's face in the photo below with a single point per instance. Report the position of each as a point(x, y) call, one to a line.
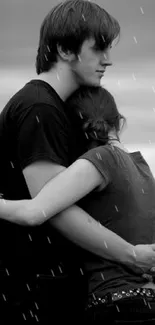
point(89, 67)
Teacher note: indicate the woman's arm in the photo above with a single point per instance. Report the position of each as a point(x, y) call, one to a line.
point(76, 224)
point(59, 193)
point(65, 189)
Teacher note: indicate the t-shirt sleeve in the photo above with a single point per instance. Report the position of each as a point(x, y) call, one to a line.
point(100, 158)
point(43, 136)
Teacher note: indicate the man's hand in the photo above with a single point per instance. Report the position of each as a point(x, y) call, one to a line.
point(145, 257)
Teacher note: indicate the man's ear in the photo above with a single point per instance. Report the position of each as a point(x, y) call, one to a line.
point(65, 55)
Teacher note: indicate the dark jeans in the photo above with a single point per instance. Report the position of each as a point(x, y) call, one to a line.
point(51, 302)
point(132, 310)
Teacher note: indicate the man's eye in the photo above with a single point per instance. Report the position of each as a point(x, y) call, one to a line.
point(97, 49)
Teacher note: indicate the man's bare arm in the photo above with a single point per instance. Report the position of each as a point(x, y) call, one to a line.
point(83, 230)
point(76, 225)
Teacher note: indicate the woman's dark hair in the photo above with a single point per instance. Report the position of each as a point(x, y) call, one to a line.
point(98, 112)
point(69, 24)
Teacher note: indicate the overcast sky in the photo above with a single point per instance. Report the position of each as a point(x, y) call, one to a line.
point(131, 79)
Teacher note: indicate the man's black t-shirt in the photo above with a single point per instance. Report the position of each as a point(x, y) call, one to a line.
point(34, 125)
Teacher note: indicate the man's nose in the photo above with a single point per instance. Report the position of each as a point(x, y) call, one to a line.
point(106, 59)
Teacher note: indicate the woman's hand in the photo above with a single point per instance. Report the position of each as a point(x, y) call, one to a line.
point(21, 212)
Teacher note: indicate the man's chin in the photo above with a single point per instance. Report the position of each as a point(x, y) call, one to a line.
point(95, 83)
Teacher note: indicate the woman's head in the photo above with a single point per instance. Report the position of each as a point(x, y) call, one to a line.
point(98, 112)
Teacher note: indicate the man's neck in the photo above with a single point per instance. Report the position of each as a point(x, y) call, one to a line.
point(60, 78)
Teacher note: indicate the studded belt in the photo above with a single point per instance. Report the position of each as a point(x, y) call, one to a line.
point(115, 296)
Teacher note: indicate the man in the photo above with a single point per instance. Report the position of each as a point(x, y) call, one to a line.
point(39, 138)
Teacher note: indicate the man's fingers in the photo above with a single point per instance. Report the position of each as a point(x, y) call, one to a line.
point(148, 277)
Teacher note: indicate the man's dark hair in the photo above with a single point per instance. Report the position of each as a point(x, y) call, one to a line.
point(98, 112)
point(69, 24)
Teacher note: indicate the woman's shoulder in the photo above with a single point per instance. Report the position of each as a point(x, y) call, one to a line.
point(104, 155)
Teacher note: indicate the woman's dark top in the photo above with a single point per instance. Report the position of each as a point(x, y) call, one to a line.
point(125, 205)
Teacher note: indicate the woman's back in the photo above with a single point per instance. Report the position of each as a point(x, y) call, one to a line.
point(125, 205)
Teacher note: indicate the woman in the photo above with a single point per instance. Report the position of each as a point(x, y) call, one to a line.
point(117, 188)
